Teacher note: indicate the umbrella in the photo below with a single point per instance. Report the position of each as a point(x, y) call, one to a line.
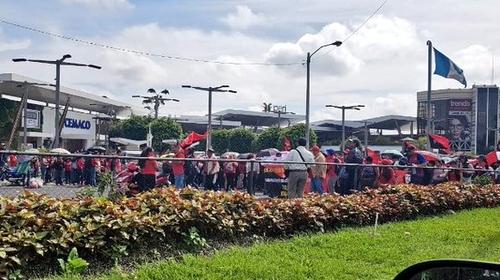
point(169, 155)
point(408, 139)
point(32, 151)
point(392, 153)
point(492, 157)
point(244, 156)
point(228, 154)
point(267, 152)
point(60, 151)
point(429, 156)
point(97, 149)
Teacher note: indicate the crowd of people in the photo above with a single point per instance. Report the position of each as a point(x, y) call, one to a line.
point(306, 170)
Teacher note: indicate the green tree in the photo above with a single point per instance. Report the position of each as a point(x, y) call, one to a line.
point(135, 128)
point(220, 140)
point(163, 129)
point(297, 131)
point(241, 140)
point(269, 138)
point(8, 110)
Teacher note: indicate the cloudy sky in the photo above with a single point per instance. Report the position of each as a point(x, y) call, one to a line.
point(382, 65)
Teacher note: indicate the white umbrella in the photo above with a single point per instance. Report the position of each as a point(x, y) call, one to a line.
point(392, 152)
point(32, 151)
point(60, 151)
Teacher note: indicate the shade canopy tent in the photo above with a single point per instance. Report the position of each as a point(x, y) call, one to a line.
point(257, 119)
point(78, 99)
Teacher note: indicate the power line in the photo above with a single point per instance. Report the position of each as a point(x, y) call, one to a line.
point(366, 20)
point(362, 24)
point(144, 53)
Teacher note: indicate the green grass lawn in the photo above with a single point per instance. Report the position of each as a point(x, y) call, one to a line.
point(347, 254)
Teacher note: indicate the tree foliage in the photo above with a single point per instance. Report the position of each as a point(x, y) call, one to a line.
point(220, 140)
point(269, 138)
point(162, 129)
point(297, 131)
point(136, 128)
point(241, 140)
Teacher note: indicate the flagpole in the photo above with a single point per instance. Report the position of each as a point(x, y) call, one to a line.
point(429, 107)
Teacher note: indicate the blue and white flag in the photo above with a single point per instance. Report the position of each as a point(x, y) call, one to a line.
point(447, 68)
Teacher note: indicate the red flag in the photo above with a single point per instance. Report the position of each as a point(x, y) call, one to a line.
point(192, 138)
point(492, 157)
point(287, 145)
point(439, 142)
point(375, 155)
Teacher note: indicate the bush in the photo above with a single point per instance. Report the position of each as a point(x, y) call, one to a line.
point(241, 140)
point(34, 227)
point(269, 138)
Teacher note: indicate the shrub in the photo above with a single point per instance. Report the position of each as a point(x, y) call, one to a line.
point(34, 227)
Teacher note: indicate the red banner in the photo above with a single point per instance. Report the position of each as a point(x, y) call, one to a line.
point(439, 142)
point(192, 138)
point(374, 155)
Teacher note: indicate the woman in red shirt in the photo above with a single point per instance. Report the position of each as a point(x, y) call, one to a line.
point(148, 170)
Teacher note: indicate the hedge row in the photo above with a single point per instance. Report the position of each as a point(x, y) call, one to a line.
point(35, 227)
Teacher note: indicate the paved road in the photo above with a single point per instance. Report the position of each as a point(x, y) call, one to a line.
point(49, 189)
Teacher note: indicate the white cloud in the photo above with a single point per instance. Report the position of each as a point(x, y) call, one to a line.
point(476, 61)
point(102, 4)
point(243, 18)
point(15, 45)
point(382, 39)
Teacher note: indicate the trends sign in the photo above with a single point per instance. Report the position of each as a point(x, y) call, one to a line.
point(75, 123)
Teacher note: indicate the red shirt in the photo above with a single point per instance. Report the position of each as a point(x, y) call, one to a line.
point(149, 167)
point(12, 161)
point(80, 164)
point(178, 166)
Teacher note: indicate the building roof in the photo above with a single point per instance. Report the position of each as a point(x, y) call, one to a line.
point(390, 122)
point(78, 99)
point(199, 123)
point(256, 119)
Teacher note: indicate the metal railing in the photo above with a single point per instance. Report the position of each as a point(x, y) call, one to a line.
point(252, 162)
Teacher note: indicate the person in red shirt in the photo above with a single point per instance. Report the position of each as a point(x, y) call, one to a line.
point(80, 165)
point(148, 170)
point(67, 171)
point(453, 174)
point(12, 161)
point(230, 169)
point(178, 168)
point(387, 173)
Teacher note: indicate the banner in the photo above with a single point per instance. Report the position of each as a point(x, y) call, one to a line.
point(439, 142)
point(192, 138)
point(459, 124)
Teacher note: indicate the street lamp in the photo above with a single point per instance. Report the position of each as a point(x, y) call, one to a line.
point(343, 108)
point(308, 92)
point(58, 64)
point(26, 86)
point(210, 90)
point(156, 99)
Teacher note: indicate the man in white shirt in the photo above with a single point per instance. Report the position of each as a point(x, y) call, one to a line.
point(297, 172)
point(211, 170)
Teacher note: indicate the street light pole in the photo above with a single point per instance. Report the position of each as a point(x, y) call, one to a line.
point(58, 64)
point(343, 108)
point(308, 85)
point(210, 90)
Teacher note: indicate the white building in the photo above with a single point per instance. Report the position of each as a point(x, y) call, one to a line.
point(80, 129)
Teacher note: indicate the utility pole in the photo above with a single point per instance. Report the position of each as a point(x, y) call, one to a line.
point(210, 90)
point(58, 63)
point(308, 85)
point(343, 108)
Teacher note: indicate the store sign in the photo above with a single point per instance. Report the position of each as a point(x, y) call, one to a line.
point(32, 119)
point(76, 123)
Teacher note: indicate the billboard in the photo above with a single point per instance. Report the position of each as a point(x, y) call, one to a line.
point(459, 124)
